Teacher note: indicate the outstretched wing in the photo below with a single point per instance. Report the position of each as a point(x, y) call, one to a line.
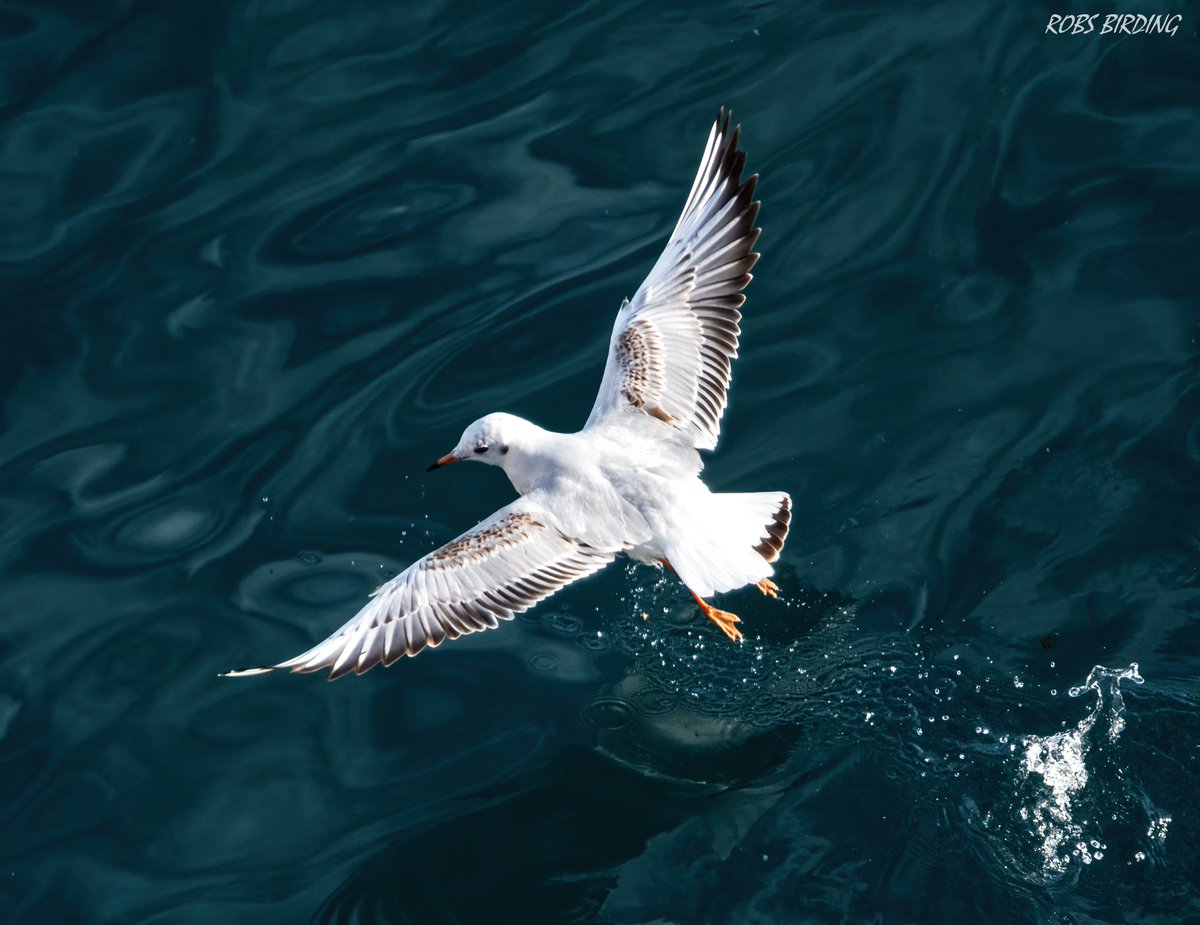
point(672, 346)
point(503, 566)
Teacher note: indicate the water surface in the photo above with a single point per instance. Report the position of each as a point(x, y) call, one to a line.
point(261, 262)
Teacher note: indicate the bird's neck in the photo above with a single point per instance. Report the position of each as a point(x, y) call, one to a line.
point(533, 457)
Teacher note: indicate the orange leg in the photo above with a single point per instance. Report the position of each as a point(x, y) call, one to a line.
point(768, 587)
point(722, 618)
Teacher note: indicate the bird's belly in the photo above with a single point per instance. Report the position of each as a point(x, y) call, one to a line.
point(648, 553)
point(655, 494)
point(654, 499)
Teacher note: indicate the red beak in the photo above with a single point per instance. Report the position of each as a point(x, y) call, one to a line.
point(444, 461)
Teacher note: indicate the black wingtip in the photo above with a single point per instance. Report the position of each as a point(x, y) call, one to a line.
point(721, 126)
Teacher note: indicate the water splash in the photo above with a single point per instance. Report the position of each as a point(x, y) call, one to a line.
point(1069, 789)
point(1060, 760)
point(778, 675)
point(1106, 682)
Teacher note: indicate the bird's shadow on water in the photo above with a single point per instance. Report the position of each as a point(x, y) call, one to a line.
point(546, 843)
point(541, 849)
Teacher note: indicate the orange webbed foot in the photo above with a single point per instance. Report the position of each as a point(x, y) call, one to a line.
point(723, 618)
point(768, 587)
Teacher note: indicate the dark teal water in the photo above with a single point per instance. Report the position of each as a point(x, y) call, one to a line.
point(261, 262)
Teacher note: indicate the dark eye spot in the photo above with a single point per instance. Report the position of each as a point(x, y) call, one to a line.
point(504, 450)
point(481, 449)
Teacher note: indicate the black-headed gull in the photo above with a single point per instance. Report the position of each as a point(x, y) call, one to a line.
point(628, 482)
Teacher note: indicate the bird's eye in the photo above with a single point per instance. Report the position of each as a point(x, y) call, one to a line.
point(481, 449)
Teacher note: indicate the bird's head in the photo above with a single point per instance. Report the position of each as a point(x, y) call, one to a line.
point(488, 440)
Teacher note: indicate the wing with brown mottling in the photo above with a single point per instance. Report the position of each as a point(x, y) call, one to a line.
point(503, 566)
point(672, 346)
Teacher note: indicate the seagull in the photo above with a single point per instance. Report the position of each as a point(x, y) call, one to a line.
point(628, 482)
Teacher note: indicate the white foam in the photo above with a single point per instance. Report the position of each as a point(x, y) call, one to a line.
point(1060, 760)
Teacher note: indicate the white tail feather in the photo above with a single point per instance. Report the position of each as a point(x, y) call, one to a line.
point(731, 540)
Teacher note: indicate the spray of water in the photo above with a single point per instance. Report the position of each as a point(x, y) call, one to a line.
point(1059, 763)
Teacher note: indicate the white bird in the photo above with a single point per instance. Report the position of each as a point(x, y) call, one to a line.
point(628, 482)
